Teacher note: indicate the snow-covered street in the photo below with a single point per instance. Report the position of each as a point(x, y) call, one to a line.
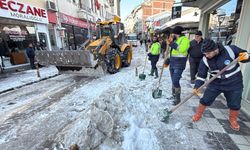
point(110, 112)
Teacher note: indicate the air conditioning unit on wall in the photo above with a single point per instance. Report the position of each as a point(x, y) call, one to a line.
point(51, 6)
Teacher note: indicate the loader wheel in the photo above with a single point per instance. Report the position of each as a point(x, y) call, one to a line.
point(114, 61)
point(127, 57)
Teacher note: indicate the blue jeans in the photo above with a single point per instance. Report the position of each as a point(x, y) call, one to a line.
point(175, 74)
point(233, 97)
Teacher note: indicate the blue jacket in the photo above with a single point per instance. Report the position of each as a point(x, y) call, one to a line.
point(230, 79)
point(30, 52)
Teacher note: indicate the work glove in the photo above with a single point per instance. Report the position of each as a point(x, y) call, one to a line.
point(166, 63)
point(149, 56)
point(169, 40)
point(243, 56)
point(196, 92)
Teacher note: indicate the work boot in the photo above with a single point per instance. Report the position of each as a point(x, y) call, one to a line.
point(173, 94)
point(151, 73)
point(201, 108)
point(177, 98)
point(192, 81)
point(173, 91)
point(233, 115)
point(156, 73)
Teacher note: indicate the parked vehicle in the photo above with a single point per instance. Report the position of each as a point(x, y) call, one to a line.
point(132, 39)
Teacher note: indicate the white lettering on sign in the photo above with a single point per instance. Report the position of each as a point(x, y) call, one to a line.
point(16, 10)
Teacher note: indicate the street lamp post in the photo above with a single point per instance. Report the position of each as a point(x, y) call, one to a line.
point(221, 16)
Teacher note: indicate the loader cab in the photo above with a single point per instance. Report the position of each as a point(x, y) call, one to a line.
point(105, 31)
point(119, 35)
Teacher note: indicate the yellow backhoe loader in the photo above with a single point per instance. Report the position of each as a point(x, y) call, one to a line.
point(109, 51)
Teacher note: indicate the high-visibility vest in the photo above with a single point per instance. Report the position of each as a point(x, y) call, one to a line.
point(182, 49)
point(155, 48)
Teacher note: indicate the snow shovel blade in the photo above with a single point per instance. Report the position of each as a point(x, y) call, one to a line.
point(157, 93)
point(142, 76)
point(167, 114)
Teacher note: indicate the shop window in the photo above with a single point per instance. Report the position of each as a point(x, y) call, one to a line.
point(17, 37)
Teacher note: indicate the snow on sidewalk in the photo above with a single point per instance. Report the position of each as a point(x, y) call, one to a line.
point(19, 79)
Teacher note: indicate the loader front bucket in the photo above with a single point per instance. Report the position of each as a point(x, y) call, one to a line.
point(71, 60)
point(66, 58)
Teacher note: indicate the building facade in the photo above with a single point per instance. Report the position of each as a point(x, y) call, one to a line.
point(22, 22)
point(48, 24)
point(155, 7)
point(147, 9)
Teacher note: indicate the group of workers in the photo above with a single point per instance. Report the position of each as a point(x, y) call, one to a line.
point(205, 56)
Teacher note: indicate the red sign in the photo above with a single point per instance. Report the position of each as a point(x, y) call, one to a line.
point(17, 10)
point(52, 17)
point(74, 21)
point(157, 23)
point(97, 4)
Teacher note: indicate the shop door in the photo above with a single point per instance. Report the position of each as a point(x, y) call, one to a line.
point(43, 42)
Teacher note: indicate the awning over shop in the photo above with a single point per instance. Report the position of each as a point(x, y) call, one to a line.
point(158, 16)
point(204, 5)
point(189, 20)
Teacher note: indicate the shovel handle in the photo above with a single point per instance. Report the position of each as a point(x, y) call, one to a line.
point(144, 64)
point(165, 58)
point(205, 84)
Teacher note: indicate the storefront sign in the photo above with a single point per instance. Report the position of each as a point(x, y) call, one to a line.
point(74, 21)
point(17, 10)
point(16, 35)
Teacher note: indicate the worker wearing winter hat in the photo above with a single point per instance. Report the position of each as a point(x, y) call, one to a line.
point(230, 83)
point(179, 45)
point(195, 55)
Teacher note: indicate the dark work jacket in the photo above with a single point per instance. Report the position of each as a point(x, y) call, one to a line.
point(3, 49)
point(230, 79)
point(30, 52)
point(194, 50)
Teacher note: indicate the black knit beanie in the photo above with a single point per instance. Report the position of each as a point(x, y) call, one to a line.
point(178, 30)
point(208, 45)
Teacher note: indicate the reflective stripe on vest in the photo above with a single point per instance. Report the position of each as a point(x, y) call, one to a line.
point(199, 78)
point(232, 55)
point(230, 74)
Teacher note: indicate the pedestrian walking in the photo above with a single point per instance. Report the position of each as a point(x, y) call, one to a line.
point(195, 55)
point(3, 52)
point(147, 44)
point(230, 83)
point(30, 51)
point(154, 56)
point(141, 41)
point(179, 45)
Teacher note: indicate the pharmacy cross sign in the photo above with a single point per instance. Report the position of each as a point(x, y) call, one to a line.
point(18, 10)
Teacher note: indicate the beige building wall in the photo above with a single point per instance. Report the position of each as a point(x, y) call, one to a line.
point(68, 7)
point(37, 3)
